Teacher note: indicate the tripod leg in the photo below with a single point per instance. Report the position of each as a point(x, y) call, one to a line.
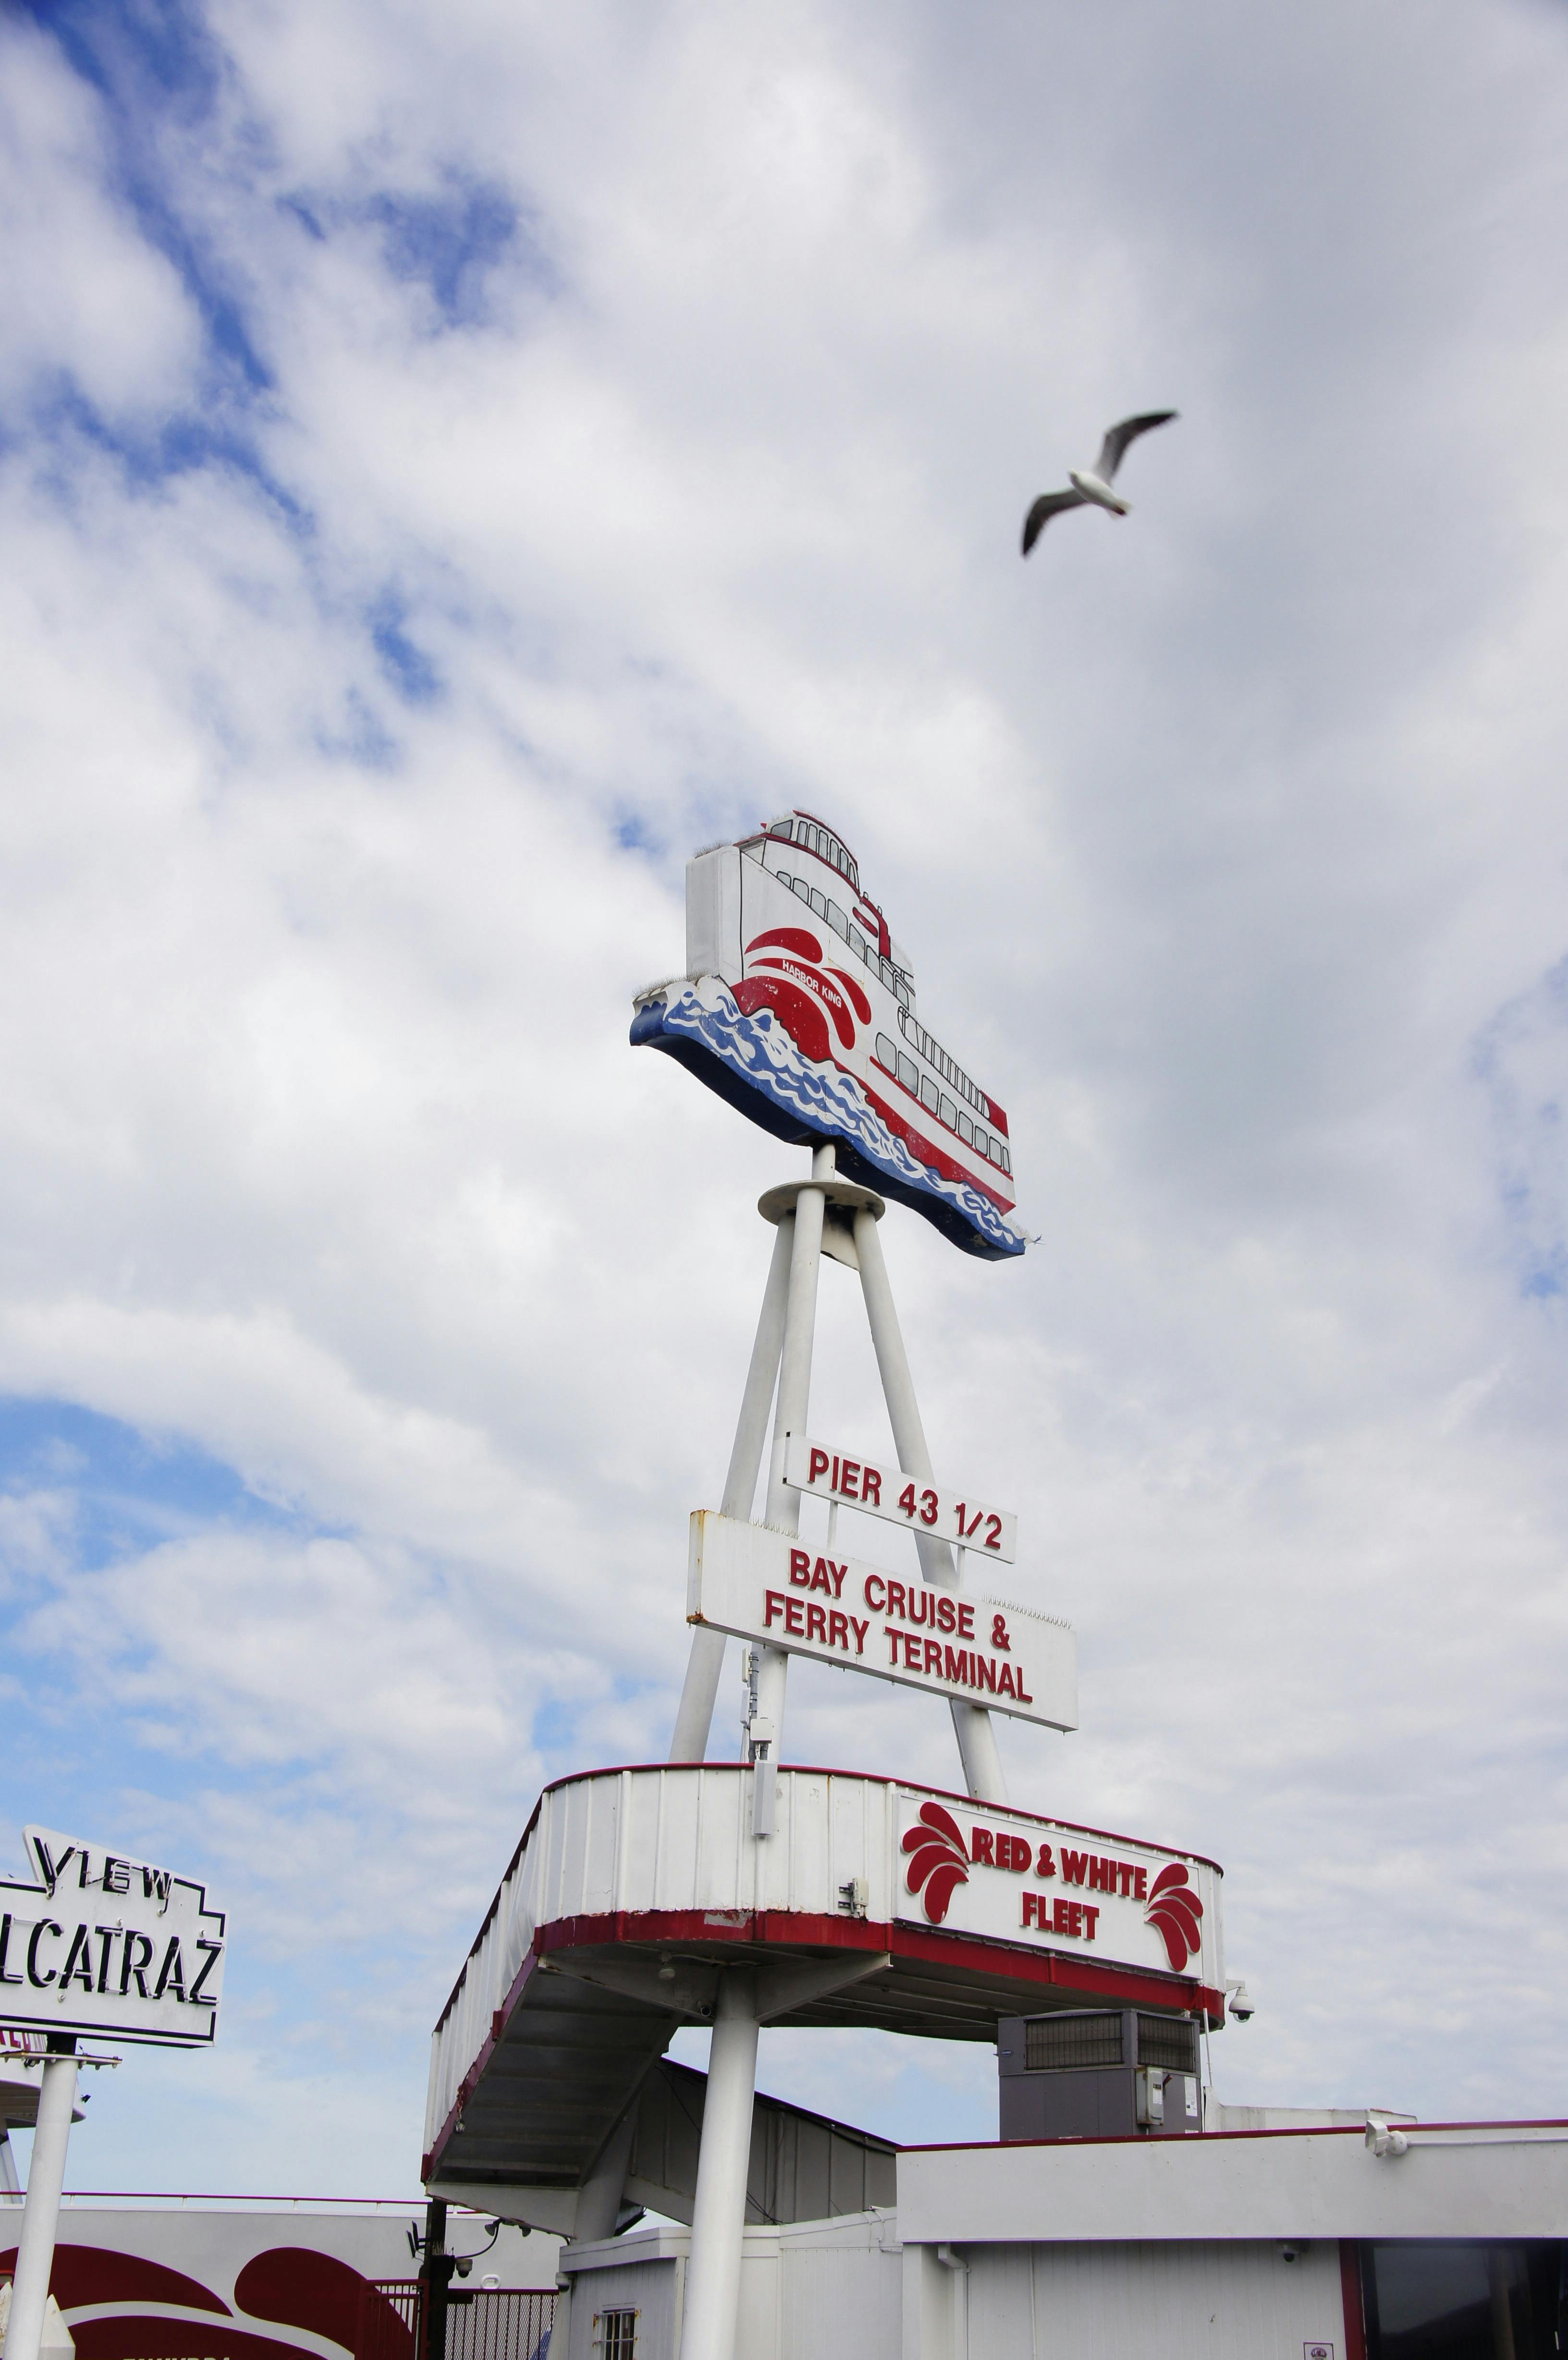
point(783, 1509)
point(982, 1763)
point(704, 1665)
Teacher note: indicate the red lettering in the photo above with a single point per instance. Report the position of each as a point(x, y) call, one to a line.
point(895, 1639)
point(987, 1673)
point(801, 1568)
point(933, 1657)
point(820, 1577)
point(1125, 1868)
point(847, 1480)
point(1020, 1690)
point(818, 1465)
point(1029, 1901)
point(871, 1487)
point(980, 1842)
point(860, 1630)
point(838, 1572)
point(1005, 1681)
point(879, 1601)
point(1046, 1865)
point(1140, 1885)
point(817, 1623)
point(946, 1614)
point(1098, 1870)
point(1075, 1919)
point(1074, 1865)
point(921, 1598)
point(774, 1602)
point(1058, 1915)
point(895, 1596)
point(958, 1668)
point(966, 1625)
point(1091, 1919)
point(838, 1631)
point(793, 1613)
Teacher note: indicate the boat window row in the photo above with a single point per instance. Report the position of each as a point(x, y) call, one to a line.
point(948, 1067)
point(848, 931)
point(814, 838)
point(902, 1067)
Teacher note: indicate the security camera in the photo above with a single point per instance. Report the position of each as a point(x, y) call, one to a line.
point(1241, 2007)
point(464, 2265)
point(1292, 2253)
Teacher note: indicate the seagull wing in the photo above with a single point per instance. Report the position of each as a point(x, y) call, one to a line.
point(1114, 449)
point(1049, 504)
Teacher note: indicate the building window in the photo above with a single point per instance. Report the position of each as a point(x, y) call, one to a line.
point(615, 2335)
point(1424, 2299)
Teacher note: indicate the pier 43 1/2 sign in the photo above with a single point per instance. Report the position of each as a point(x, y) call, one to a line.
point(106, 1944)
point(763, 1585)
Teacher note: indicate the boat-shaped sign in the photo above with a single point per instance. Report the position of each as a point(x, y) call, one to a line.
point(799, 1008)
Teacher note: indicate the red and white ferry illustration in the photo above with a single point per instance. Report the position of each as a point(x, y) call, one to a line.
point(799, 1008)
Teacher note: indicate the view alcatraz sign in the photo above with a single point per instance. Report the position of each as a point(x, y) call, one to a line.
point(762, 1585)
point(936, 1510)
point(104, 1943)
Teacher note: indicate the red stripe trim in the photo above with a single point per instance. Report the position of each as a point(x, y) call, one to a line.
point(926, 1150)
point(1350, 2294)
point(979, 1954)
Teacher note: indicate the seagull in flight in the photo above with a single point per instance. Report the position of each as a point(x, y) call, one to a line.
point(1092, 486)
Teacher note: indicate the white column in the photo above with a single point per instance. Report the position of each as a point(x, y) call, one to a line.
point(783, 1509)
point(704, 1666)
point(724, 2160)
point(983, 1773)
point(41, 2214)
point(9, 2183)
point(599, 2198)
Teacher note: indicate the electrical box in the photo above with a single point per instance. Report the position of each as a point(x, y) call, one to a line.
point(1098, 2073)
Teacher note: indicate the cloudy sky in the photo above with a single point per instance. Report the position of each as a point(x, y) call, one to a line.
point(453, 462)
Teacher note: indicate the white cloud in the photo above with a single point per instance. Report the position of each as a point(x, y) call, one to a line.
point(1228, 843)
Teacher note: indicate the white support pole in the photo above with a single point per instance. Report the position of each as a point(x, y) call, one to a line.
point(983, 1773)
point(41, 2213)
point(783, 1509)
point(704, 1665)
point(724, 2160)
point(599, 2198)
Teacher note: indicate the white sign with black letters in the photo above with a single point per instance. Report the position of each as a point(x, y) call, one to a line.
point(104, 1943)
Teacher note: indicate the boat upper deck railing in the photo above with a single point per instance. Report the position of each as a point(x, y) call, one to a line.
point(799, 827)
point(828, 911)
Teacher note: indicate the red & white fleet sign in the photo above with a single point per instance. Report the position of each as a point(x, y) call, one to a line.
point(765, 1586)
point(975, 1869)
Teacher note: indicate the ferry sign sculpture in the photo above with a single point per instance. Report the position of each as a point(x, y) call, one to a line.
point(740, 1893)
point(799, 1008)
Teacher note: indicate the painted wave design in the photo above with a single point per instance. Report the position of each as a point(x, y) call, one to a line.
point(759, 1048)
